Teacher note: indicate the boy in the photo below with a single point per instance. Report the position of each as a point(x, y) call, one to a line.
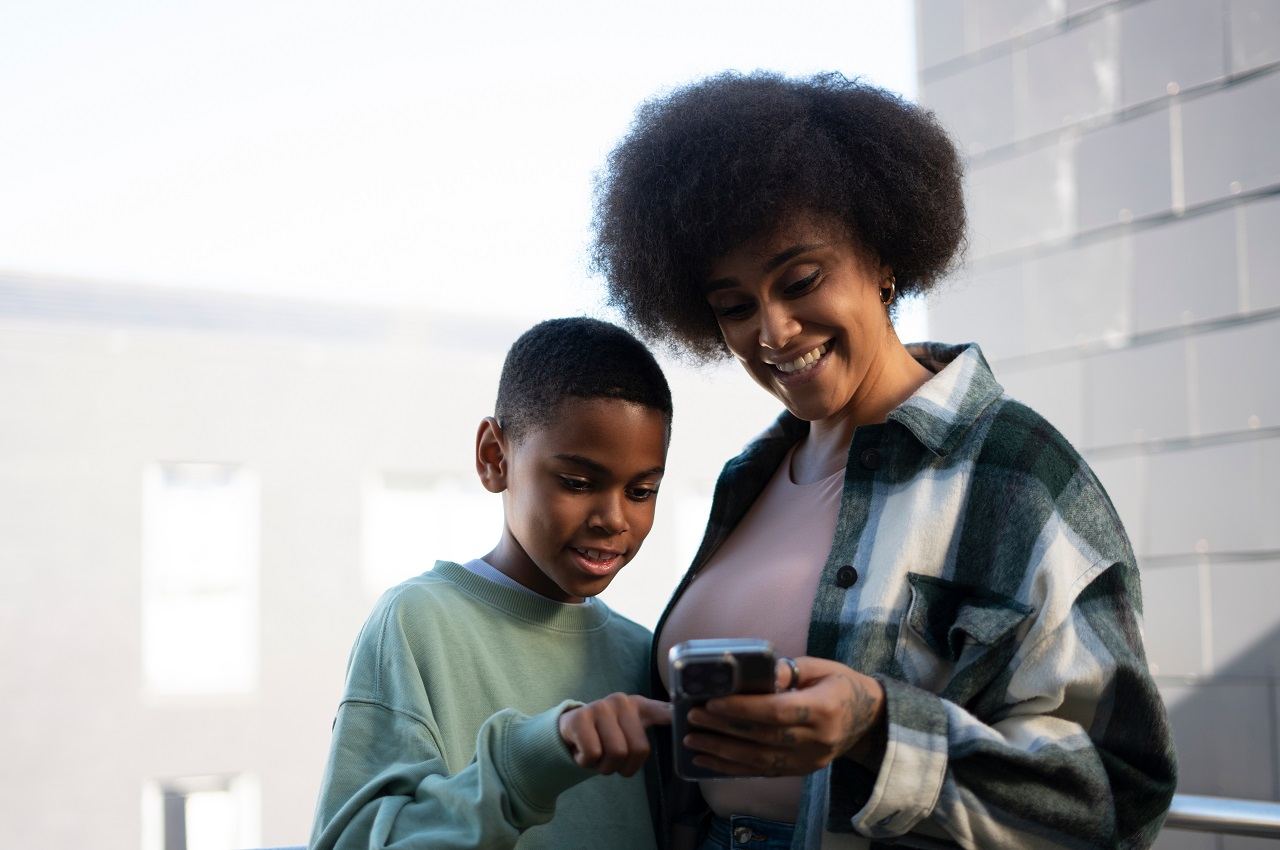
point(459, 727)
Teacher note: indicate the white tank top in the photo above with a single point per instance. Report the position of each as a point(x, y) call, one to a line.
point(760, 583)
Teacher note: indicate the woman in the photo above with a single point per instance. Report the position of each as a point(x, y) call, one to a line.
point(959, 589)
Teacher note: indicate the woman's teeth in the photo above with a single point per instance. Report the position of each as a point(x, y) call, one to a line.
point(802, 361)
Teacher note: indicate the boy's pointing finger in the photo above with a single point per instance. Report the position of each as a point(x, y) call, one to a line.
point(653, 712)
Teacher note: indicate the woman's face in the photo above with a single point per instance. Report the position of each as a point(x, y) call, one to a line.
point(801, 311)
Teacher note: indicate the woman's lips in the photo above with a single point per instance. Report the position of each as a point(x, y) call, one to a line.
point(803, 368)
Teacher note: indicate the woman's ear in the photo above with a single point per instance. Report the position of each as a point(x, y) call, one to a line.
point(491, 455)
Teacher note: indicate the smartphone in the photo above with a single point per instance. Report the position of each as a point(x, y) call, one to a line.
point(703, 669)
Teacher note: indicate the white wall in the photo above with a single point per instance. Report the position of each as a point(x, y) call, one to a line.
point(1124, 279)
point(98, 382)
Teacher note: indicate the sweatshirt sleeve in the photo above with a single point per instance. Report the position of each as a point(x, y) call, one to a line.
point(387, 782)
point(387, 785)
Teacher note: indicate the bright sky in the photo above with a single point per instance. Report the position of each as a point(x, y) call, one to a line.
point(405, 153)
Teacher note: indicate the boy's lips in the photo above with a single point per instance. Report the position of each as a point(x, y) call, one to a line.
point(599, 562)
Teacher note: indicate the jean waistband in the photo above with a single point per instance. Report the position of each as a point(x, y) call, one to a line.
point(750, 833)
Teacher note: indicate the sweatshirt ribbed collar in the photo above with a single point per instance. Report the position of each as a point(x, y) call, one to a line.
point(537, 610)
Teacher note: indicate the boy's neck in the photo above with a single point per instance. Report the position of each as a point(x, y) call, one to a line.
point(510, 560)
point(486, 570)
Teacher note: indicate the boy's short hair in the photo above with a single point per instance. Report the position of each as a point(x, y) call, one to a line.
point(575, 358)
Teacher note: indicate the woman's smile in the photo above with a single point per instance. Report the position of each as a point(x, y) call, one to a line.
point(793, 371)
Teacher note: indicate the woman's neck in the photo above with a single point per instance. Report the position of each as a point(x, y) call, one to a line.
point(890, 380)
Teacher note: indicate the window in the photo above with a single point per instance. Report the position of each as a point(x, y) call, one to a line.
point(201, 813)
point(200, 579)
point(413, 519)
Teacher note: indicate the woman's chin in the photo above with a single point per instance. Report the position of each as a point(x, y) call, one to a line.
point(810, 412)
point(805, 401)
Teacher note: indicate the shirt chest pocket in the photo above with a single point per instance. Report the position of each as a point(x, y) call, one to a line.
point(957, 637)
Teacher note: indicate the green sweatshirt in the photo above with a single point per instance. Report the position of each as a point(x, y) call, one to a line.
point(447, 735)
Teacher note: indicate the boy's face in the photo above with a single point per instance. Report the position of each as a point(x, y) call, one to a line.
point(578, 494)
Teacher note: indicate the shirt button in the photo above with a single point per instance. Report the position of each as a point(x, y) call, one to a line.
point(871, 459)
point(846, 576)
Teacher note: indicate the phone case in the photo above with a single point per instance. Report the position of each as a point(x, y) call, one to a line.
point(755, 662)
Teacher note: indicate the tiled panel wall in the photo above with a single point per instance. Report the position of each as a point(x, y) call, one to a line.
point(1123, 276)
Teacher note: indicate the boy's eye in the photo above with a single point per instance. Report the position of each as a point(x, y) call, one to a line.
point(642, 494)
point(577, 485)
point(800, 287)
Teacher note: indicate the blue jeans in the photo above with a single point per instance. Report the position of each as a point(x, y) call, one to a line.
point(740, 832)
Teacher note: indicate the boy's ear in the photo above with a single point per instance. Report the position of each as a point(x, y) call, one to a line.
point(491, 455)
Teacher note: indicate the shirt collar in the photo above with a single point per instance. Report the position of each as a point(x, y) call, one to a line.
point(943, 409)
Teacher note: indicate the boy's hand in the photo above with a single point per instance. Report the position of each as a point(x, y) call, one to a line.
point(608, 735)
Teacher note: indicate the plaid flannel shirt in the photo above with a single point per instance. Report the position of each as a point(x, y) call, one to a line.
point(981, 574)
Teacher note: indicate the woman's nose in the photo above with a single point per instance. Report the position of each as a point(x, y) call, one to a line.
point(777, 326)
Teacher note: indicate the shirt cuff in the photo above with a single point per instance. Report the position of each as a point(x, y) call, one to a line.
point(914, 766)
point(536, 764)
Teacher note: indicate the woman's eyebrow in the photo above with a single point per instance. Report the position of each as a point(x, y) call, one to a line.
point(769, 265)
point(790, 253)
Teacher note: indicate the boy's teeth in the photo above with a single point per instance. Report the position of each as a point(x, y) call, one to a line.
point(802, 361)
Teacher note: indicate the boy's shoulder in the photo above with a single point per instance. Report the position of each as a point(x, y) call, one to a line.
point(414, 597)
point(422, 588)
point(626, 630)
point(414, 611)
point(410, 624)
point(437, 591)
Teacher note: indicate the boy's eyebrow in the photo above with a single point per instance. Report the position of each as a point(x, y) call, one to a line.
point(769, 265)
point(600, 468)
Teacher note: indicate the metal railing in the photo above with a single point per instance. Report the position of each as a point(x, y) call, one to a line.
point(1191, 812)
point(1224, 816)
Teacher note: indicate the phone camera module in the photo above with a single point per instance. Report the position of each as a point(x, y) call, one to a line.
point(707, 679)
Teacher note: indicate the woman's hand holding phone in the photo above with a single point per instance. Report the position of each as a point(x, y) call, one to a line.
point(833, 711)
point(608, 735)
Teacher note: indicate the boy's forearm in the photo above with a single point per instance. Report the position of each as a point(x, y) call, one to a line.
point(381, 793)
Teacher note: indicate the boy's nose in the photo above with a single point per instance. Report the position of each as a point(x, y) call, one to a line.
point(609, 515)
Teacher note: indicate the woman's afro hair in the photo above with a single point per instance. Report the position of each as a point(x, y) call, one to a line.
point(732, 157)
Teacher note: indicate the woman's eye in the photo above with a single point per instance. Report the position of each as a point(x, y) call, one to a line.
point(577, 485)
point(734, 311)
point(800, 287)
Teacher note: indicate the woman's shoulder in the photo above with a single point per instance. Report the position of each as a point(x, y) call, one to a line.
point(964, 416)
point(1025, 465)
point(1010, 435)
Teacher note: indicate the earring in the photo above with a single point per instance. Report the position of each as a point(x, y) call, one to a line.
point(890, 292)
